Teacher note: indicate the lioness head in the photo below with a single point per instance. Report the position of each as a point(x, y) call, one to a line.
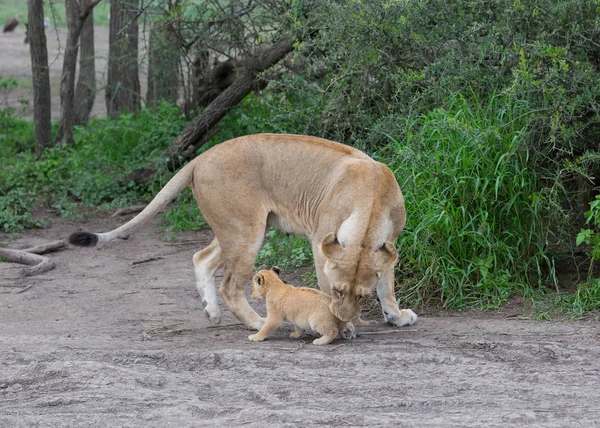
point(353, 273)
point(260, 282)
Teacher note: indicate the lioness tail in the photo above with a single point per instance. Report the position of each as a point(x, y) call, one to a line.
point(175, 185)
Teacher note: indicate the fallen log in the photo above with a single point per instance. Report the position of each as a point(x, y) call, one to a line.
point(39, 264)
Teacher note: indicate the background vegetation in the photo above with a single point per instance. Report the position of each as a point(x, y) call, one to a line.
point(486, 111)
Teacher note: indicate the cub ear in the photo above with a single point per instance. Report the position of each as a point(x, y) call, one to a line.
point(330, 247)
point(386, 256)
point(259, 279)
point(276, 270)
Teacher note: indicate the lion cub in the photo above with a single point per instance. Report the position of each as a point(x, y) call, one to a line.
point(306, 308)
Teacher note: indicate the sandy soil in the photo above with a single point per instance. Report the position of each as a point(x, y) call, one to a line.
point(100, 342)
point(15, 62)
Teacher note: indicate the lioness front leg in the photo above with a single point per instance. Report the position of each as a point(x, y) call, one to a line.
point(271, 324)
point(391, 313)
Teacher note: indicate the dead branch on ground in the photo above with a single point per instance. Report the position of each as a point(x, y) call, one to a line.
point(31, 256)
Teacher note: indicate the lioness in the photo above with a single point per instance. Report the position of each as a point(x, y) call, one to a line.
point(349, 206)
point(306, 308)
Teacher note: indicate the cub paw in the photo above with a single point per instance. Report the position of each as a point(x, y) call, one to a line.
point(296, 334)
point(322, 341)
point(402, 318)
point(255, 338)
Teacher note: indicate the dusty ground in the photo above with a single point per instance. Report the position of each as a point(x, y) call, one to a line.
point(101, 343)
point(15, 62)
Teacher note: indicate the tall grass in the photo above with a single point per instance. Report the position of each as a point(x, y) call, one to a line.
point(478, 224)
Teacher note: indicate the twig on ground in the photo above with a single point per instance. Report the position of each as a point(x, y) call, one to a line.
point(124, 294)
point(151, 259)
point(366, 333)
point(25, 289)
point(226, 325)
point(47, 248)
point(334, 348)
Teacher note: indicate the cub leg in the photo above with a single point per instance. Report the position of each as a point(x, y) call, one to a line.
point(297, 333)
point(206, 263)
point(391, 313)
point(329, 334)
point(273, 321)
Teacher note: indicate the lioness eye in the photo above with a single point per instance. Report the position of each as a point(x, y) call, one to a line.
point(337, 292)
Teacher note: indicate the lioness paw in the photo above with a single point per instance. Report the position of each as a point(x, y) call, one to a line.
point(404, 317)
point(213, 316)
point(255, 338)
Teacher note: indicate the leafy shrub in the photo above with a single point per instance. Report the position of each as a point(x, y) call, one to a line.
point(478, 225)
point(90, 172)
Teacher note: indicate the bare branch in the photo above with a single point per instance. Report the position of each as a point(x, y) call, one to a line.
point(40, 264)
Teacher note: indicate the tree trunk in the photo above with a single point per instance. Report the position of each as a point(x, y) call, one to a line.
point(184, 147)
point(123, 84)
point(85, 92)
point(40, 75)
point(75, 19)
point(67, 79)
point(163, 67)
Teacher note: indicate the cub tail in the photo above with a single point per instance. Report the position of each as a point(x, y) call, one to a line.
point(175, 185)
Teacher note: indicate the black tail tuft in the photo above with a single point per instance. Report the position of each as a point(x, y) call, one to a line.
point(83, 239)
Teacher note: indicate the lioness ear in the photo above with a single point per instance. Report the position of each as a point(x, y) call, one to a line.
point(259, 278)
point(276, 270)
point(330, 247)
point(386, 256)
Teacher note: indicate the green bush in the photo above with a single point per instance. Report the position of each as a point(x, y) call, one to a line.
point(478, 225)
point(90, 173)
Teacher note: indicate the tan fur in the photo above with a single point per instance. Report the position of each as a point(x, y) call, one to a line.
point(305, 308)
point(349, 206)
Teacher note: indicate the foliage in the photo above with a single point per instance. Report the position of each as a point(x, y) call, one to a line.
point(287, 252)
point(183, 214)
point(91, 172)
point(591, 236)
point(585, 299)
point(478, 224)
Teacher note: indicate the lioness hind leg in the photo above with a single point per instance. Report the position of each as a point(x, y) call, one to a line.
point(391, 313)
point(206, 264)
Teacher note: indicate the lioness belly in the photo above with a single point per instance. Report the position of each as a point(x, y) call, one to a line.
point(286, 225)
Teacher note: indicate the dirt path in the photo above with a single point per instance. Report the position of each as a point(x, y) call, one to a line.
point(100, 343)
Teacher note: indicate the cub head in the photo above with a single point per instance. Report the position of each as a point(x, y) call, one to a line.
point(261, 281)
point(353, 273)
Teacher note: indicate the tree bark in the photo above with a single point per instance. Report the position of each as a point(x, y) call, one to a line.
point(75, 19)
point(163, 67)
point(184, 147)
point(85, 91)
point(123, 84)
point(40, 75)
